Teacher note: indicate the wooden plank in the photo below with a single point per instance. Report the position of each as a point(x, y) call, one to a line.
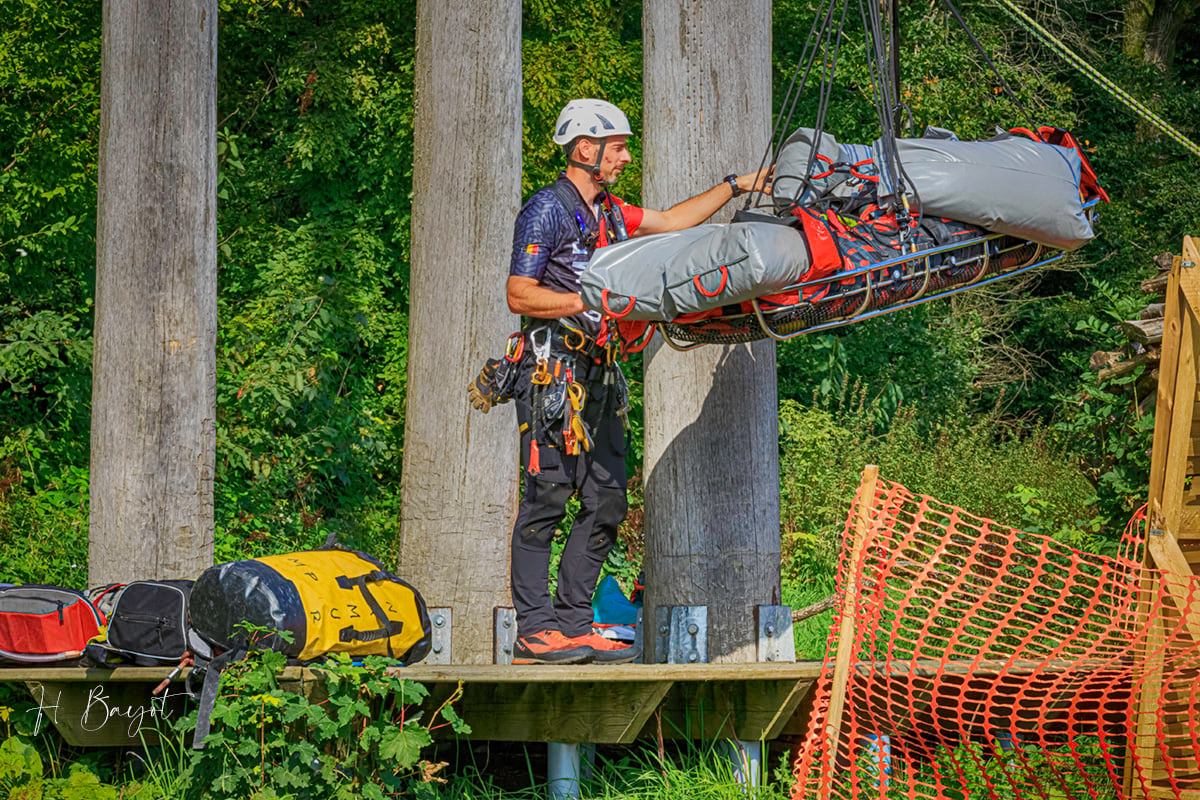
point(470, 673)
point(1183, 403)
point(1178, 575)
point(598, 712)
point(15, 674)
point(595, 673)
point(1168, 367)
point(1167, 793)
point(1173, 431)
point(1191, 250)
point(741, 710)
point(616, 673)
point(841, 671)
point(1145, 734)
point(1189, 517)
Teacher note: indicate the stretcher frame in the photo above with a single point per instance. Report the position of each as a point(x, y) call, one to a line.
point(878, 276)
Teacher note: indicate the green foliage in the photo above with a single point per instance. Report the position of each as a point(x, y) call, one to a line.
point(23, 776)
point(1105, 421)
point(316, 162)
point(360, 733)
point(586, 50)
point(971, 465)
point(49, 117)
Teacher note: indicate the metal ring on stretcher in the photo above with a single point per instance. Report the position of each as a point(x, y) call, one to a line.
point(724, 281)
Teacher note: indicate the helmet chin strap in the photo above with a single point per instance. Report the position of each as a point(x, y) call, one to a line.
point(593, 169)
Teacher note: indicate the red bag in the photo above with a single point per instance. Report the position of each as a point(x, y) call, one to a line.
point(1089, 184)
point(44, 624)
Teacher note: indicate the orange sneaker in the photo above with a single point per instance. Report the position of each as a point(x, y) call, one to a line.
point(607, 651)
point(550, 647)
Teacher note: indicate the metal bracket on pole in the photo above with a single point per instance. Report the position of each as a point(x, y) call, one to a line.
point(662, 630)
point(505, 627)
point(687, 635)
point(639, 637)
point(441, 620)
point(775, 640)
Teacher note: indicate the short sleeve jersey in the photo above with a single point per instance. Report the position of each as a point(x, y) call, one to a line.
point(552, 243)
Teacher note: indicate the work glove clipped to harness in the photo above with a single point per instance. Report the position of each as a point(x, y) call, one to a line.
point(494, 384)
point(485, 390)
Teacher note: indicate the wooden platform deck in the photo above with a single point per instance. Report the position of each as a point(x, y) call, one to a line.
point(590, 703)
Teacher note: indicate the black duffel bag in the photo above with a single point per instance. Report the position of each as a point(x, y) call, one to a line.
point(150, 626)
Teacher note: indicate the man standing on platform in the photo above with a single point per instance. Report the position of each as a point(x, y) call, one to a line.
point(570, 393)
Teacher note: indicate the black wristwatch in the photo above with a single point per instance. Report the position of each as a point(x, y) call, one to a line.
point(732, 181)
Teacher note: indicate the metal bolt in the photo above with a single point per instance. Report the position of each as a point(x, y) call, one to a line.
point(1187, 264)
point(506, 649)
point(693, 628)
point(693, 657)
point(506, 622)
point(437, 648)
point(439, 620)
point(663, 630)
point(1157, 531)
point(770, 630)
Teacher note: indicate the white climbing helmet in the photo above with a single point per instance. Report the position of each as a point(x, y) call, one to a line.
point(589, 117)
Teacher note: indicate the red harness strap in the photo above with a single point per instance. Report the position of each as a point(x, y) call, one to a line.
point(825, 258)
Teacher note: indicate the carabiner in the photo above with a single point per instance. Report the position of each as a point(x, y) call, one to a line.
point(515, 347)
point(542, 350)
point(578, 396)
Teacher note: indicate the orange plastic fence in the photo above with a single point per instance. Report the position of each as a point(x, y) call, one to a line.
point(988, 662)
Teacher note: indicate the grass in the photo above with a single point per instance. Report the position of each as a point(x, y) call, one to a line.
point(688, 771)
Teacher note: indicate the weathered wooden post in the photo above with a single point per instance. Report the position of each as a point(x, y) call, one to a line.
point(712, 464)
point(459, 485)
point(154, 369)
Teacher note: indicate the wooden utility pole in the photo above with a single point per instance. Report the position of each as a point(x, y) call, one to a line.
point(154, 367)
point(712, 463)
point(460, 466)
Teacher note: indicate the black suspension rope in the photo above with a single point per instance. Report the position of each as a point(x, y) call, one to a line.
point(883, 46)
point(953, 9)
point(817, 36)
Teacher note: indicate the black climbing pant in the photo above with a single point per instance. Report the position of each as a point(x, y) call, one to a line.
point(598, 477)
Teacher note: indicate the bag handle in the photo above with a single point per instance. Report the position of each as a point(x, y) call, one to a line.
point(388, 627)
point(608, 309)
point(720, 288)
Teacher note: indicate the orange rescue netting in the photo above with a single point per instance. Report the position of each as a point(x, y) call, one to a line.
point(987, 662)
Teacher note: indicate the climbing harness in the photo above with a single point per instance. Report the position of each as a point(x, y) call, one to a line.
point(562, 362)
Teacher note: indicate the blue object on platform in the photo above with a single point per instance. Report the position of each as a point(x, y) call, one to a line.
point(610, 606)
